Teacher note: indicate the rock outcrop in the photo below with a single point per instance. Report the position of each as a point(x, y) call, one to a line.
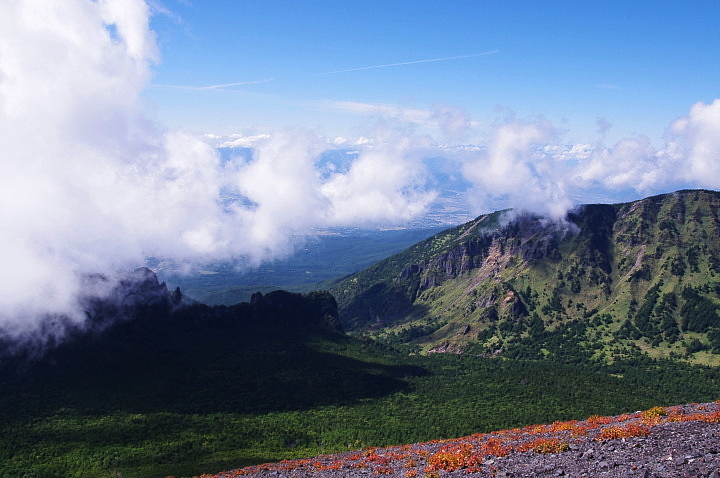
point(139, 301)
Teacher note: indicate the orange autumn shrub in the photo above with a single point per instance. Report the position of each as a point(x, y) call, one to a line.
point(450, 457)
point(596, 420)
point(494, 447)
point(551, 446)
point(473, 463)
point(563, 426)
point(535, 429)
point(544, 446)
point(712, 418)
point(383, 470)
point(654, 412)
point(627, 431)
point(411, 463)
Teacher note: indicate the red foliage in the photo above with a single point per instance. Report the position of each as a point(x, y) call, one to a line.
point(627, 431)
point(450, 457)
point(411, 463)
point(494, 447)
point(544, 446)
point(596, 420)
point(563, 426)
point(712, 417)
point(624, 417)
point(468, 453)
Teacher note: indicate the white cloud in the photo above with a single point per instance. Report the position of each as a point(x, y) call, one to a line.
point(386, 181)
point(241, 141)
point(510, 173)
point(696, 144)
point(690, 158)
point(454, 122)
point(526, 165)
point(446, 124)
point(631, 162)
point(565, 152)
point(388, 111)
point(91, 185)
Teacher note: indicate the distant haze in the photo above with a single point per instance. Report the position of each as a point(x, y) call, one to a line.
point(92, 183)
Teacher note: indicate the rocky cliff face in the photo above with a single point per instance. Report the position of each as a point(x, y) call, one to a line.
point(526, 239)
point(134, 293)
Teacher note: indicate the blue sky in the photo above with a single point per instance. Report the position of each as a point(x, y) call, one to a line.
point(638, 65)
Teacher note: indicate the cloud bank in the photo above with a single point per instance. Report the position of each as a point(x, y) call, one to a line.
point(526, 165)
point(90, 184)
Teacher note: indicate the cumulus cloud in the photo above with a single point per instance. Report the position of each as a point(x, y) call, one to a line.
point(511, 172)
point(90, 185)
point(371, 184)
point(689, 158)
point(631, 162)
point(526, 164)
point(695, 144)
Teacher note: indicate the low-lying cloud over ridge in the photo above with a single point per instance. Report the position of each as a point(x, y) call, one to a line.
point(91, 184)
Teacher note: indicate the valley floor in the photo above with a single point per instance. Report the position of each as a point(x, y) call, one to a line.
point(679, 441)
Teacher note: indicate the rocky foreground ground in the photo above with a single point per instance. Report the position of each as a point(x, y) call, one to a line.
point(679, 441)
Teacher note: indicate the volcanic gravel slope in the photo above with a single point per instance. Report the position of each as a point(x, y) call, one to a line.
point(679, 441)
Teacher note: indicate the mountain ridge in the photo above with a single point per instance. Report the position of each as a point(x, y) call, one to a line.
point(650, 265)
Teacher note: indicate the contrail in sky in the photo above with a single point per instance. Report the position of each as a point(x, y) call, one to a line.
point(371, 67)
point(216, 87)
point(414, 62)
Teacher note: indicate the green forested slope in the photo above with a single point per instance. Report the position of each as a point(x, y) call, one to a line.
point(299, 394)
point(641, 276)
point(177, 390)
